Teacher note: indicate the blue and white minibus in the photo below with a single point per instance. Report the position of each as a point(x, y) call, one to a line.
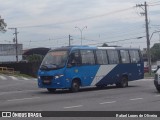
point(73, 67)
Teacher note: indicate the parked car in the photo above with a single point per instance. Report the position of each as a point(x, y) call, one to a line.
point(146, 69)
point(157, 80)
point(154, 69)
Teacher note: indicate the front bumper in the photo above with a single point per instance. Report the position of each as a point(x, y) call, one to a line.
point(50, 82)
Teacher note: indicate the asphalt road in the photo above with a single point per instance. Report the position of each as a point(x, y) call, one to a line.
point(17, 94)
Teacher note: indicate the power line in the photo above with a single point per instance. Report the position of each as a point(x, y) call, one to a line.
point(45, 40)
point(153, 4)
point(106, 38)
point(156, 25)
point(119, 40)
point(81, 19)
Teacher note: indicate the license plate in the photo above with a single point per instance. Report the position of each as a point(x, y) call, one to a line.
point(46, 81)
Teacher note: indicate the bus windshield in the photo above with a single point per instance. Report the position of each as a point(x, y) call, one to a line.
point(54, 60)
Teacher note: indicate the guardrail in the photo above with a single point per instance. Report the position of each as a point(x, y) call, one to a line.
point(6, 70)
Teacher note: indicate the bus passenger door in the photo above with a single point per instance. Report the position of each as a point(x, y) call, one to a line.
point(88, 68)
point(72, 70)
point(81, 64)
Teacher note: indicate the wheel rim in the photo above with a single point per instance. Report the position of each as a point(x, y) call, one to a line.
point(75, 86)
point(124, 82)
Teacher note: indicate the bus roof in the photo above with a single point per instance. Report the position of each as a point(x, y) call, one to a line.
point(117, 48)
point(91, 47)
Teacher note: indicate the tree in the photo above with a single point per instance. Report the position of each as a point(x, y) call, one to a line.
point(34, 58)
point(2, 25)
point(155, 52)
point(104, 45)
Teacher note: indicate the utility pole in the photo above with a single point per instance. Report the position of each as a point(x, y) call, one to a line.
point(16, 41)
point(147, 33)
point(70, 38)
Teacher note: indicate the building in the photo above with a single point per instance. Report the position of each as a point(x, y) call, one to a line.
point(8, 52)
point(38, 51)
point(41, 52)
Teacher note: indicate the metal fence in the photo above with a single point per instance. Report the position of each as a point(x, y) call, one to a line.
point(24, 68)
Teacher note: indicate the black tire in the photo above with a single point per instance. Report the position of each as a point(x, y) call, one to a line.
point(51, 90)
point(123, 83)
point(158, 89)
point(75, 86)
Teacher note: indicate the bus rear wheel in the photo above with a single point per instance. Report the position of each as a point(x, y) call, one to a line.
point(51, 90)
point(75, 86)
point(123, 83)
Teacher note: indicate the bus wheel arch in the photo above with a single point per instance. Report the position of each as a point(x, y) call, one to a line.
point(123, 82)
point(75, 86)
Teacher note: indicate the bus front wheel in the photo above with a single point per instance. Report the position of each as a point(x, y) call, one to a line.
point(75, 86)
point(51, 90)
point(123, 82)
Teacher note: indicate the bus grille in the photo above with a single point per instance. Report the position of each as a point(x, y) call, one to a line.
point(46, 80)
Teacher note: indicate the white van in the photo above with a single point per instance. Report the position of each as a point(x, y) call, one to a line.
point(157, 79)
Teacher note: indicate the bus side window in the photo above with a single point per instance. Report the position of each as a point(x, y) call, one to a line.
point(113, 56)
point(87, 57)
point(124, 56)
point(102, 58)
point(135, 57)
point(74, 58)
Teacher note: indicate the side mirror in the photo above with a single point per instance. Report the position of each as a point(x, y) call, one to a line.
point(69, 65)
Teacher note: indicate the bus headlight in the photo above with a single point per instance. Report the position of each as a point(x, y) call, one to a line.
point(58, 76)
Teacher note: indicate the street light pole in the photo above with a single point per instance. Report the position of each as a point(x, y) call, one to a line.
point(81, 30)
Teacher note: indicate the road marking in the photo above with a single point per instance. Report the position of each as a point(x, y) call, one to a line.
point(13, 78)
point(25, 78)
point(142, 80)
point(23, 99)
point(157, 95)
point(73, 106)
point(107, 102)
point(3, 78)
point(136, 99)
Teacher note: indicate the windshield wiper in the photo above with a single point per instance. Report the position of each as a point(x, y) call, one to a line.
point(48, 66)
point(54, 65)
point(44, 66)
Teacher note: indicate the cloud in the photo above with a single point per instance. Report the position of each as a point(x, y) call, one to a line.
point(48, 18)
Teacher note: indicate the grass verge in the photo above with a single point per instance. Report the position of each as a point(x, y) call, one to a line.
point(148, 75)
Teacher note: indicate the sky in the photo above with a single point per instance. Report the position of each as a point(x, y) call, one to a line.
point(48, 23)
